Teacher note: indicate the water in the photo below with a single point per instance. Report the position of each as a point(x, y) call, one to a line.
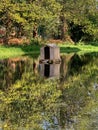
point(61, 96)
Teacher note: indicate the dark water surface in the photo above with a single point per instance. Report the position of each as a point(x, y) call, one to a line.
point(61, 96)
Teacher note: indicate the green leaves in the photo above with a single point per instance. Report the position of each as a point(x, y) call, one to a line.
point(45, 15)
point(27, 100)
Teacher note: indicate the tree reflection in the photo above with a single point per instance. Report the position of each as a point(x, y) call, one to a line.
point(12, 69)
point(77, 89)
point(33, 102)
point(27, 100)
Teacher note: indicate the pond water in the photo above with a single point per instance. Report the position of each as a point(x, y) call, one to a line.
point(61, 96)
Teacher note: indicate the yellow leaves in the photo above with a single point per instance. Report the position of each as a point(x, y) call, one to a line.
point(5, 125)
point(18, 18)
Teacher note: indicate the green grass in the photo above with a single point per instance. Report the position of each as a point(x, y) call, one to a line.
point(78, 48)
point(13, 51)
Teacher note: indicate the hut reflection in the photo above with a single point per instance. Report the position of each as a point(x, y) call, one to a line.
point(50, 70)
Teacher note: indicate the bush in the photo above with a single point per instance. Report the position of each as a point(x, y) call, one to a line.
point(36, 41)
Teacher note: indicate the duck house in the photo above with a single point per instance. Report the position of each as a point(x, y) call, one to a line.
point(50, 53)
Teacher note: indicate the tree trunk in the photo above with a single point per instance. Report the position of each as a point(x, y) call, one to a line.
point(35, 32)
point(8, 30)
point(19, 31)
point(6, 37)
point(63, 27)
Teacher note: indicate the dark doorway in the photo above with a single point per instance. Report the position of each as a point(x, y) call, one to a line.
point(47, 52)
point(46, 70)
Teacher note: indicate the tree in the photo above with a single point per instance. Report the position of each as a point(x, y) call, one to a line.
point(52, 18)
point(81, 13)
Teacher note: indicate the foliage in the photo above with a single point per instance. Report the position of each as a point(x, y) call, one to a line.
point(36, 41)
point(27, 100)
point(58, 19)
point(32, 100)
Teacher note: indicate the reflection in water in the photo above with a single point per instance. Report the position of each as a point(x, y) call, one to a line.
point(12, 70)
point(50, 70)
point(46, 70)
point(34, 103)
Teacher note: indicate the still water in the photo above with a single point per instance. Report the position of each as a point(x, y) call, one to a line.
point(61, 96)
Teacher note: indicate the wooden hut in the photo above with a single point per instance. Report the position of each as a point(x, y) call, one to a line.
point(50, 53)
point(49, 70)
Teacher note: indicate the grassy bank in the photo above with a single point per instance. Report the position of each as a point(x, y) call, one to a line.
point(13, 51)
point(78, 48)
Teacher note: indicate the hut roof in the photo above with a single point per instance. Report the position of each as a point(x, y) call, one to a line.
point(51, 45)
